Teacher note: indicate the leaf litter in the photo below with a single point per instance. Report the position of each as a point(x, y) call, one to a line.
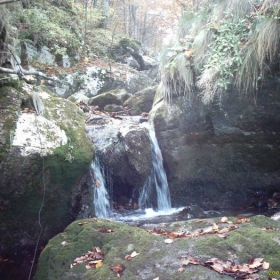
point(93, 258)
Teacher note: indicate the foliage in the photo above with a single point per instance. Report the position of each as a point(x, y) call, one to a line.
point(228, 43)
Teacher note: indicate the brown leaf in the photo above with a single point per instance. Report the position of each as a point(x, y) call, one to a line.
point(185, 261)
point(118, 269)
point(128, 258)
point(105, 230)
point(181, 269)
point(218, 267)
point(193, 260)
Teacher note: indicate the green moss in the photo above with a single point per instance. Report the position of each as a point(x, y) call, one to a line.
point(104, 99)
point(249, 240)
point(55, 260)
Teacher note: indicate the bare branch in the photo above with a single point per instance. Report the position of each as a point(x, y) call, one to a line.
point(25, 72)
point(8, 1)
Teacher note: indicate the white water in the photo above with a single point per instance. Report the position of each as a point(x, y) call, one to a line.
point(157, 179)
point(101, 198)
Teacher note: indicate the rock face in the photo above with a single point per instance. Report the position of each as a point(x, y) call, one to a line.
point(124, 148)
point(156, 259)
point(142, 101)
point(221, 156)
point(39, 154)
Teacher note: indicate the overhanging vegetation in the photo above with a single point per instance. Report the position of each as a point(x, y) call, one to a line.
point(227, 43)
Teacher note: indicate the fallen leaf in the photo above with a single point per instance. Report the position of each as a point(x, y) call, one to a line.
point(185, 261)
point(82, 223)
point(128, 258)
point(118, 269)
point(269, 228)
point(181, 269)
point(193, 260)
point(168, 241)
point(134, 254)
point(105, 230)
point(218, 267)
point(266, 265)
point(224, 220)
point(99, 264)
point(215, 227)
point(64, 243)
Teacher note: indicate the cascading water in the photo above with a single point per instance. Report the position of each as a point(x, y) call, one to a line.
point(101, 198)
point(157, 179)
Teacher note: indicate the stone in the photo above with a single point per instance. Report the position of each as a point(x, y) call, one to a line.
point(213, 155)
point(142, 101)
point(124, 148)
point(107, 98)
point(155, 258)
point(139, 81)
point(54, 143)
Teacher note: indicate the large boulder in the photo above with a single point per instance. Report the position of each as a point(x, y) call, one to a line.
point(221, 156)
point(142, 101)
point(123, 146)
point(156, 259)
point(116, 96)
point(40, 156)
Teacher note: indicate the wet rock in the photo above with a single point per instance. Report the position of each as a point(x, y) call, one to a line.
point(81, 85)
point(156, 258)
point(139, 81)
point(132, 62)
point(215, 154)
point(142, 101)
point(113, 108)
point(30, 54)
point(115, 97)
point(124, 148)
point(54, 143)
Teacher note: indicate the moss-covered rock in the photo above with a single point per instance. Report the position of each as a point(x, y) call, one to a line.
point(156, 258)
point(40, 154)
point(142, 101)
point(115, 96)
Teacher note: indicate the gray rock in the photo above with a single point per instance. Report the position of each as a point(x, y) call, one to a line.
point(25, 139)
point(132, 62)
point(215, 154)
point(124, 148)
point(142, 101)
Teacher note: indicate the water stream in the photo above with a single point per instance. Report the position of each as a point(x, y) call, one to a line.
point(157, 179)
point(101, 200)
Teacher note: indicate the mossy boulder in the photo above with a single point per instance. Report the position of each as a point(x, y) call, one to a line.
point(40, 154)
point(116, 96)
point(156, 258)
point(142, 101)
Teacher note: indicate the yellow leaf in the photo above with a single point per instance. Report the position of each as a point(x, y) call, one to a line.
point(99, 264)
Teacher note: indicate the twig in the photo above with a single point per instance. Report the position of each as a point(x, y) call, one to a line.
point(25, 72)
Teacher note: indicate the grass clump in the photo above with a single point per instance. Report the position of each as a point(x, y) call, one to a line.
point(227, 44)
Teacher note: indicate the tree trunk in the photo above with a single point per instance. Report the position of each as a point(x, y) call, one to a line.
point(106, 12)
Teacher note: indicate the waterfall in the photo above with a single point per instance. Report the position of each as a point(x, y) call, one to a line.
point(157, 180)
point(101, 197)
